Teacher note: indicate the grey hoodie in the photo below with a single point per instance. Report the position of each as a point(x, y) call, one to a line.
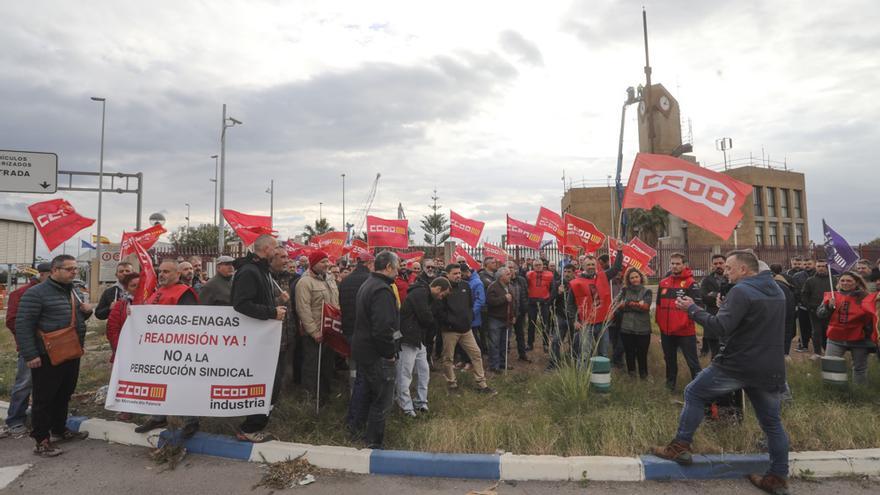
point(751, 323)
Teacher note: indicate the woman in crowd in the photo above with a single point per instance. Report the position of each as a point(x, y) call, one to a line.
point(635, 322)
point(850, 324)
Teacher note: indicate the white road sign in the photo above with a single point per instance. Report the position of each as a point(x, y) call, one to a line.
point(28, 172)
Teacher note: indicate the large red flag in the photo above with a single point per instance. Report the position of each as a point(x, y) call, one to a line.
point(331, 331)
point(520, 233)
point(639, 245)
point(412, 255)
point(495, 252)
point(471, 262)
point(550, 222)
point(387, 233)
point(146, 238)
point(465, 229)
point(580, 232)
point(248, 227)
point(709, 199)
point(57, 221)
point(331, 243)
point(359, 247)
point(295, 249)
point(148, 280)
point(632, 257)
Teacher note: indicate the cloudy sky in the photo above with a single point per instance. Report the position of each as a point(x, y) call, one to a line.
point(487, 101)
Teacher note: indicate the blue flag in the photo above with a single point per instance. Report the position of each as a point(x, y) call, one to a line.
point(838, 252)
point(86, 245)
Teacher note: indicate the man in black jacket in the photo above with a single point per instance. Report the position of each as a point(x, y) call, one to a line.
point(113, 293)
point(254, 294)
point(750, 322)
point(348, 290)
point(48, 307)
point(565, 315)
point(375, 342)
point(812, 293)
point(808, 269)
point(416, 320)
point(713, 285)
point(519, 287)
point(455, 317)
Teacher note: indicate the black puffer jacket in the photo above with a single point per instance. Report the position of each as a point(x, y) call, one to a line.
point(45, 307)
point(253, 293)
point(456, 312)
point(416, 316)
point(348, 290)
point(814, 290)
point(377, 324)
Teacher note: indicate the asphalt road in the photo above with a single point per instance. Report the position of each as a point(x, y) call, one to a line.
point(94, 466)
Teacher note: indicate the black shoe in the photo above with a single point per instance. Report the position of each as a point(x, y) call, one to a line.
point(150, 425)
point(525, 359)
point(189, 429)
point(487, 391)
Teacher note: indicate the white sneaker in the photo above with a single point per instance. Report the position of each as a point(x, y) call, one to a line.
point(410, 414)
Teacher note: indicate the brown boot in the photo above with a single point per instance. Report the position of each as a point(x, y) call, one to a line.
point(770, 483)
point(677, 451)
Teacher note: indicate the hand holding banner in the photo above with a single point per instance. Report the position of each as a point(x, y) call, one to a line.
point(469, 231)
point(57, 221)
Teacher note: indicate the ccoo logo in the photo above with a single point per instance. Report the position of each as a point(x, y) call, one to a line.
point(709, 192)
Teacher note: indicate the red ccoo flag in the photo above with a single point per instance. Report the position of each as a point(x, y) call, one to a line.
point(709, 199)
point(387, 233)
point(471, 262)
point(550, 222)
point(57, 221)
point(248, 227)
point(520, 233)
point(582, 233)
point(359, 247)
point(411, 255)
point(495, 252)
point(295, 249)
point(148, 280)
point(331, 331)
point(469, 231)
point(632, 257)
point(146, 238)
point(331, 243)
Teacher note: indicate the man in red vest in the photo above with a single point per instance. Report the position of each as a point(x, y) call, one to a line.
point(677, 330)
point(541, 291)
point(171, 292)
point(590, 292)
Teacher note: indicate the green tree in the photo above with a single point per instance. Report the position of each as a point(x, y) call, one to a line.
point(874, 243)
point(649, 225)
point(322, 226)
point(435, 225)
point(203, 236)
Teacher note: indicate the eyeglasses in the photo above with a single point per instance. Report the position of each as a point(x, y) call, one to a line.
point(69, 269)
point(430, 268)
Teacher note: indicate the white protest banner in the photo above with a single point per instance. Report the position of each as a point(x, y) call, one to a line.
point(194, 361)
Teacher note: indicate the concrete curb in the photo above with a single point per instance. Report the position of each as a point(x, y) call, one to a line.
point(491, 466)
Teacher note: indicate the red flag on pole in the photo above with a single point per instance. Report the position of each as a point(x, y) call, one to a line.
point(331, 243)
point(146, 238)
point(639, 245)
point(632, 257)
point(359, 247)
point(412, 255)
point(57, 221)
point(709, 199)
point(471, 262)
point(148, 280)
point(469, 231)
point(550, 222)
point(331, 331)
point(248, 227)
point(295, 249)
point(387, 233)
point(520, 233)
point(580, 232)
point(495, 252)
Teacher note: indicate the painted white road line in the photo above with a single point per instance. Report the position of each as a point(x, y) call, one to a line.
point(11, 473)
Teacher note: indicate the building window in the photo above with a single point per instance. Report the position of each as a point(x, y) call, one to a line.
point(774, 235)
point(786, 234)
point(797, 203)
point(799, 235)
point(759, 208)
point(783, 203)
point(771, 201)
point(759, 233)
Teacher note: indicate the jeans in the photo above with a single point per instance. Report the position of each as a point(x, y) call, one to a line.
point(585, 341)
point(19, 396)
point(467, 342)
point(379, 382)
point(499, 335)
point(636, 349)
point(859, 358)
point(52, 388)
point(412, 358)
point(538, 307)
point(688, 345)
point(712, 383)
point(558, 337)
point(819, 328)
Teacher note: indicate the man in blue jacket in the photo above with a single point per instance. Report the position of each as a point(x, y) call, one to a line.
point(751, 323)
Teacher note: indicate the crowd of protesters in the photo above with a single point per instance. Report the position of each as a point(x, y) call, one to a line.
point(405, 321)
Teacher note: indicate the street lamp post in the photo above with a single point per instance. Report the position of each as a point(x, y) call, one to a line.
point(187, 217)
point(100, 183)
point(216, 184)
point(271, 193)
point(225, 124)
point(344, 228)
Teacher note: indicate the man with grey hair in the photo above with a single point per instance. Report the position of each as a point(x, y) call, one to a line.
point(375, 346)
point(502, 315)
point(751, 323)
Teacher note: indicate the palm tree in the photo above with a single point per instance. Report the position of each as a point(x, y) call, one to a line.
point(322, 226)
point(649, 225)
